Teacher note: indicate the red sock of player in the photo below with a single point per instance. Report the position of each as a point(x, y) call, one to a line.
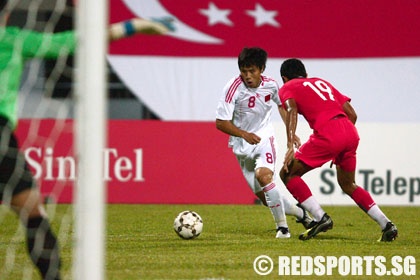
point(362, 199)
point(301, 192)
point(299, 189)
point(366, 203)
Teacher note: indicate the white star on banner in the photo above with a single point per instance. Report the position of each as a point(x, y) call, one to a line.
point(216, 15)
point(263, 16)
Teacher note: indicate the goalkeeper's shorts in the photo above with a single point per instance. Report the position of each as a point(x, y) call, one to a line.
point(15, 175)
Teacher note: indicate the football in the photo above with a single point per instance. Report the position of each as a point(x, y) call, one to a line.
point(188, 224)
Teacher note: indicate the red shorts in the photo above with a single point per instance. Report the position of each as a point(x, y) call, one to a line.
point(337, 140)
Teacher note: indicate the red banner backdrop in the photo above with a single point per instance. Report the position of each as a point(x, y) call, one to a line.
point(144, 162)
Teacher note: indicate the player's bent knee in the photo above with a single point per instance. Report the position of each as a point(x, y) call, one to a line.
point(28, 204)
point(264, 176)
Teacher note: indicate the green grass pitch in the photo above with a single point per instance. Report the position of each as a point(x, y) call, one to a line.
point(141, 242)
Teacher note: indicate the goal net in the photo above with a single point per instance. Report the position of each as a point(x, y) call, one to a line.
point(62, 138)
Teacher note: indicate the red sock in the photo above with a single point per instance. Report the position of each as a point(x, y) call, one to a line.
point(363, 199)
point(299, 189)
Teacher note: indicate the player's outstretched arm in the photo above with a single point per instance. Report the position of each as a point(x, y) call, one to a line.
point(158, 26)
point(283, 115)
point(291, 124)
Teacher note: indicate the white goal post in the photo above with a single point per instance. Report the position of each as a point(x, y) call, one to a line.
point(89, 250)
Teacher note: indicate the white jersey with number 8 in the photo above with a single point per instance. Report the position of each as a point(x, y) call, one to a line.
point(249, 109)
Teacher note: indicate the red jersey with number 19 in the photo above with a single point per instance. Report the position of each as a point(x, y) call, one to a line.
point(316, 99)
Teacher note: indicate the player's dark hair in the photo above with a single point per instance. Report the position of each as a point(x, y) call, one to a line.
point(3, 4)
point(252, 56)
point(293, 68)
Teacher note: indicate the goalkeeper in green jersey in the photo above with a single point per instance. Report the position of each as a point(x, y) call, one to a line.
point(18, 189)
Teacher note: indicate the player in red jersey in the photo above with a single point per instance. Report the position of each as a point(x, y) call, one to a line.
point(335, 137)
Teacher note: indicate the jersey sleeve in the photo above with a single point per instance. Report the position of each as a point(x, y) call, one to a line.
point(226, 104)
point(47, 45)
point(285, 93)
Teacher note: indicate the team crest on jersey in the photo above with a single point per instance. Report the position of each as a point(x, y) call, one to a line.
point(267, 98)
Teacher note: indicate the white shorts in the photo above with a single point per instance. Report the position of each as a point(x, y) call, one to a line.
point(263, 155)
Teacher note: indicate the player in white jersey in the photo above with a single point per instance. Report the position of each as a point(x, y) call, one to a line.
point(244, 112)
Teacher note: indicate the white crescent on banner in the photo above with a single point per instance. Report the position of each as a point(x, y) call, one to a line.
point(153, 8)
